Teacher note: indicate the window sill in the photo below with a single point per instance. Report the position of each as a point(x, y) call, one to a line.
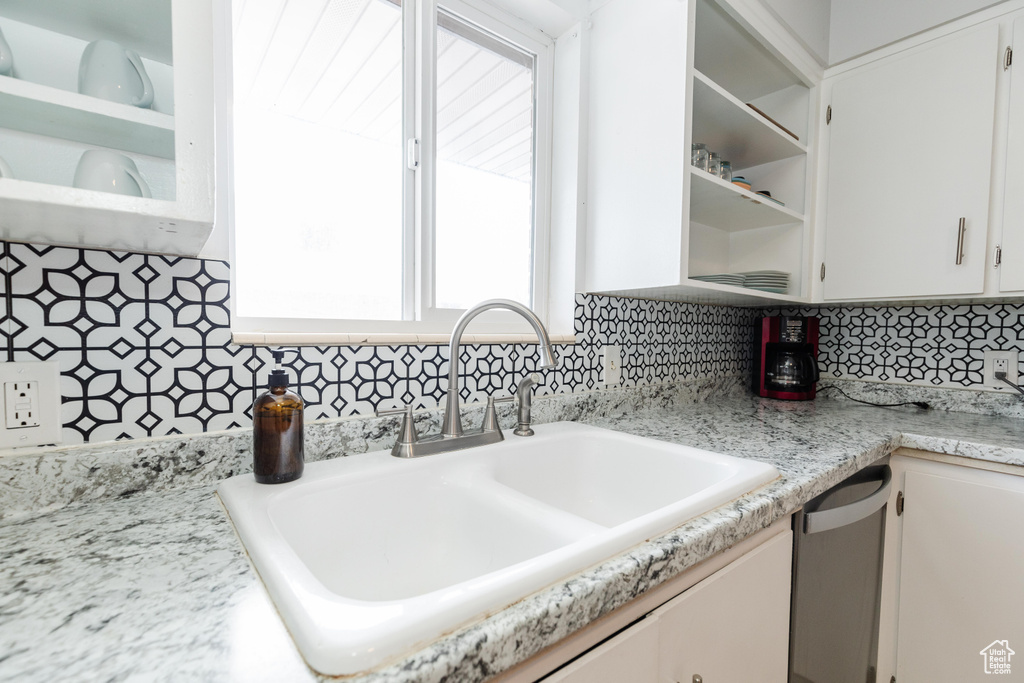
point(354, 339)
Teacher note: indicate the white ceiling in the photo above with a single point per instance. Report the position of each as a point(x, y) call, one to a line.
point(337, 63)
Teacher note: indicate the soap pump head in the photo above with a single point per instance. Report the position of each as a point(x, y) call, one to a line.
point(278, 377)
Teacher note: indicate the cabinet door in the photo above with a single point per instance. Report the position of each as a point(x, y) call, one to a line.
point(734, 625)
point(630, 656)
point(960, 575)
point(636, 155)
point(910, 152)
point(1011, 272)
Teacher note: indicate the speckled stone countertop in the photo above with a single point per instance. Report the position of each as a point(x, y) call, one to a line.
point(156, 586)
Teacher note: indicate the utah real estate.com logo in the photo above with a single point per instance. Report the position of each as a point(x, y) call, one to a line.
point(997, 657)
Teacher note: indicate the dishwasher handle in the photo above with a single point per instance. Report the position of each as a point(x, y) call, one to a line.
point(826, 520)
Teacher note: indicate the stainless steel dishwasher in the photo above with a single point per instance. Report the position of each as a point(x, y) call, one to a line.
point(837, 568)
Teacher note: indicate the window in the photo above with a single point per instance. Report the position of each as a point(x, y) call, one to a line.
point(390, 165)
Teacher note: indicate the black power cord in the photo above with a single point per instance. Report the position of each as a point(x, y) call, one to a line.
point(920, 404)
point(1001, 376)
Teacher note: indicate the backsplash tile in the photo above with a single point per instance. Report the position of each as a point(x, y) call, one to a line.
point(144, 346)
point(142, 340)
point(6, 323)
point(940, 345)
point(665, 340)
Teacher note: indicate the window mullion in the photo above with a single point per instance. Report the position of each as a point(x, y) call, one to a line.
point(410, 173)
point(426, 127)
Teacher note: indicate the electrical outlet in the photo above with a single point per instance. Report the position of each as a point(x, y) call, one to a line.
point(22, 402)
point(612, 365)
point(31, 394)
point(1003, 361)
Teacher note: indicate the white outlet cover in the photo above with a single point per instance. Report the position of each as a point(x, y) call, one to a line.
point(49, 430)
point(21, 400)
point(1012, 358)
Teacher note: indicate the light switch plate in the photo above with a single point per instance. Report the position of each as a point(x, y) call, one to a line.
point(30, 387)
point(612, 365)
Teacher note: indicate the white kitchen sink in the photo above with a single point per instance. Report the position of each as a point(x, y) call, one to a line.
point(368, 557)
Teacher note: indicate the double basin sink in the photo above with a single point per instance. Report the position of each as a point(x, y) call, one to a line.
point(368, 557)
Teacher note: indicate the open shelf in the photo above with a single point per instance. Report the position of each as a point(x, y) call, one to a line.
point(720, 204)
point(42, 110)
point(734, 130)
point(696, 291)
point(142, 25)
point(50, 214)
point(46, 125)
point(731, 290)
point(735, 59)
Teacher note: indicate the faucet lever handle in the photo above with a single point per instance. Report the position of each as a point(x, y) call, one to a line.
point(529, 381)
point(491, 414)
point(404, 410)
point(407, 432)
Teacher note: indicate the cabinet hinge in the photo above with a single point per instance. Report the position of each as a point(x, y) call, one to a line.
point(828, 115)
point(822, 271)
point(998, 257)
point(1008, 59)
point(899, 504)
point(413, 154)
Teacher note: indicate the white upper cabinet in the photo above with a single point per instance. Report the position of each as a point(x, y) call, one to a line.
point(665, 74)
point(910, 161)
point(46, 125)
point(1011, 269)
point(637, 158)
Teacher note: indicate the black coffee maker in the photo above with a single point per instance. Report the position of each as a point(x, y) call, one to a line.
point(786, 357)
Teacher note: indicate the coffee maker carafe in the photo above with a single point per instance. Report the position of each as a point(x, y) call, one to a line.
point(786, 357)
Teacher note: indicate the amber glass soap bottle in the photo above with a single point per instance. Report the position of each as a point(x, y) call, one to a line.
point(277, 430)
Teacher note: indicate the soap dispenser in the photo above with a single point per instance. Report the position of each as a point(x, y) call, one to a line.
point(277, 430)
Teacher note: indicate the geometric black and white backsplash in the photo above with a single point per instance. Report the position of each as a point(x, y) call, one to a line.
point(144, 346)
point(923, 345)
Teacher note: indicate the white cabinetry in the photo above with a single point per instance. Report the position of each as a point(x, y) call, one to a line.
point(1011, 270)
point(954, 572)
point(46, 125)
point(636, 155)
point(960, 572)
point(630, 656)
point(732, 626)
point(910, 161)
point(664, 74)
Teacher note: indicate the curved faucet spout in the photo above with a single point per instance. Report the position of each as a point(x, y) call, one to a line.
point(452, 416)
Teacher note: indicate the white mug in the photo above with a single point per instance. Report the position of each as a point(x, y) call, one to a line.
point(106, 171)
point(5, 169)
point(114, 73)
point(6, 58)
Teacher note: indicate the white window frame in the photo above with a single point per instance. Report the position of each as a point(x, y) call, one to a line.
point(424, 322)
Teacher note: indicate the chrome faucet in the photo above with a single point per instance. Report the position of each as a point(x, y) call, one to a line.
point(452, 416)
point(525, 395)
point(452, 436)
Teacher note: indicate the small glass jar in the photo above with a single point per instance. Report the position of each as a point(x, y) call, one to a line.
point(714, 164)
point(725, 171)
point(699, 155)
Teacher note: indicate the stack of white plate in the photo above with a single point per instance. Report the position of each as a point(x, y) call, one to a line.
point(734, 279)
point(766, 281)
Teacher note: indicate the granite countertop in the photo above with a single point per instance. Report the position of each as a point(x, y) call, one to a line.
point(157, 587)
